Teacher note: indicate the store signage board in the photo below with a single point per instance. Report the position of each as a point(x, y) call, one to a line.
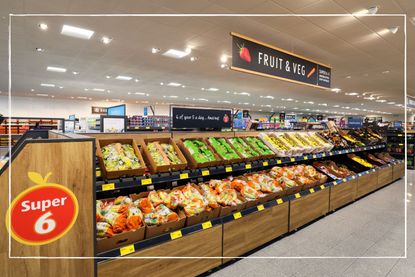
point(195, 118)
point(98, 110)
point(255, 57)
point(354, 122)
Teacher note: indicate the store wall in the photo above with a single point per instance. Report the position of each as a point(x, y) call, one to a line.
point(47, 107)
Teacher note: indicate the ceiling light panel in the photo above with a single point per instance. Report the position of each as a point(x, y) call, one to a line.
point(76, 32)
point(174, 84)
point(123, 78)
point(56, 69)
point(177, 54)
point(47, 85)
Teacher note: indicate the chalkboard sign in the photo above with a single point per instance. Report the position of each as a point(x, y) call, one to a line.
point(201, 118)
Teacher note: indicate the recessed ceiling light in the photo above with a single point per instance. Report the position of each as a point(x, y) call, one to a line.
point(129, 93)
point(42, 94)
point(60, 87)
point(106, 40)
point(47, 85)
point(98, 89)
point(386, 72)
point(348, 77)
point(351, 93)
point(155, 50)
point(32, 90)
point(38, 49)
point(224, 65)
point(183, 86)
point(224, 58)
point(391, 103)
point(75, 72)
point(56, 69)
point(43, 26)
point(72, 97)
point(124, 78)
point(336, 106)
point(212, 89)
point(82, 97)
point(136, 80)
point(371, 10)
point(161, 83)
point(336, 90)
point(108, 76)
point(394, 29)
point(177, 54)
point(245, 93)
point(193, 59)
point(76, 32)
point(174, 84)
point(108, 91)
point(139, 93)
point(381, 100)
point(90, 98)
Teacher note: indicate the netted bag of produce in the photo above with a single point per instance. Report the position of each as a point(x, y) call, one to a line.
point(171, 153)
point(154, 198)
point(104, 230)
point(228, 197)
point(117, 221)
point(144, 204)
point(161, 214)
point(134, 218)
point(210, 195)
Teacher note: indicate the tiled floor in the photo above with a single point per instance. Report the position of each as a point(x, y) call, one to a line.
point(370, 227)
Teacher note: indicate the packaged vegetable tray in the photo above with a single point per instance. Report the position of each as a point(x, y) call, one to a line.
point(163, 155)
point(114, 154)
point(245, 151)
point(259, 146)
point(198, 153)
point(276, 145)
point(224, 150)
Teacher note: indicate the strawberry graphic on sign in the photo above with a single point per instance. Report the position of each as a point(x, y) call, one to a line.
point(244, 53)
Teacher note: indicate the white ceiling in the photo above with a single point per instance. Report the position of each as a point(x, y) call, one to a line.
point(353, 46)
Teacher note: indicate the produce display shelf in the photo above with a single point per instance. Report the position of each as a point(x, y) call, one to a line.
point(160, 178)
point(129, 249)
point(12, 135)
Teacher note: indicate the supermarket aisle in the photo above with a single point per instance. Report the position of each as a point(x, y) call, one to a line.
point(370, 227)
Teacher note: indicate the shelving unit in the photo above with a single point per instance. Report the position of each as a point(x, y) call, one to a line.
point(396, 146)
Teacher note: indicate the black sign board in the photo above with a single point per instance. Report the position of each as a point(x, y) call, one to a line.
point(319, 117)
point(201, 118)
point(282, 116)
point(251, 56)
point(98, 110)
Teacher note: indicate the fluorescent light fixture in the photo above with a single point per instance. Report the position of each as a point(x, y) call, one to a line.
point(224, 58)
point(38, 49)
point(43, 26)
point(155, 50)
point(183, 86)
point(106, 40)
point(245, 93)
point(32, 90)
point(203, 99)
point(394, 29)
point(47, 85)
point(224, 65)
point(336, 106)
point(381, 100)
point(371, 10)
point(225, 101)
point(56, 69)
point(124, 78)
point(98, 89)
point(82, 97)
point(289, 99)
point(76, 32)
point(267, 97)
point(75, 72)
point(212, 89)
point(139, 93)
point(42, 94)
point(391, 103)
point(177, 54)
point(108, 76)
point(174, 84)
point(351, 93)
point(348, 77)
point(161, 83)
point(173, 96)
point(385, 72)
point(336, 90)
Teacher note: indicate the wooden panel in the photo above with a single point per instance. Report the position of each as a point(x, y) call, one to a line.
point(207, 243)
point(71, 165)
point(342, 194)
point(251, 231)
point(308, 208)
point(398, 171)
point(367, 183)
point(138, 137)
point(385, 176)
point(180, 135)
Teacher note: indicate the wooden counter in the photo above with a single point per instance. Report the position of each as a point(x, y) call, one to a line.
point(342, 194)
point(385, 176)
point(367, 183)
point(398, 171)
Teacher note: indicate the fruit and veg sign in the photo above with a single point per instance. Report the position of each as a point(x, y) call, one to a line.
point(251, 56)
point(199, 118)
point(42, 213)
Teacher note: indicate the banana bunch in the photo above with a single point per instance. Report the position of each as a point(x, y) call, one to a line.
point(360, 161)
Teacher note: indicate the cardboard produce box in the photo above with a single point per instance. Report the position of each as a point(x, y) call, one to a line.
point(253, 146)
point(154, 168)
point(121, 239)
point(191, 161)
point(231, 161)
point(120, 173)
point(227, 210)
point(156, 230)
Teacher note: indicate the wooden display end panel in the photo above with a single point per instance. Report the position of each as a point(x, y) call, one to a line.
point(398, 171)
point(342, 194)
point(308, 208)
point(385, 176)
point(367, 183)
point(253, 230)
point(206, 243)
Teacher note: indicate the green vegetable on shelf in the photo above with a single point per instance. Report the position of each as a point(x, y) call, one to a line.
point(223, 148)
point(171, 154)
point(259, 146)
point(244, 149)
point(118, 156)
point(199, 151)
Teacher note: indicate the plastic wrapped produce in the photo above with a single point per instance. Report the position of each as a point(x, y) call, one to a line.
point(134, 218)
point(171, 153)
point(104, 229)
point(118, 156)
point(154, 198)
point(199, 151)
point(156, 153)
point(243, 148)
point(210, 196)
point(259, 146)
point(223, 148)
point(276, 145)
point(161, 214)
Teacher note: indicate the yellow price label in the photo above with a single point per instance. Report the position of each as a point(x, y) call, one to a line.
point(147, 127)
point(297, 195)
point(127, 250)
point(331, 153)
point(322, 187)
point(205, 173)
point(98, 173)
point(248, 166)
point(292, 159)
point(344, 180)
point(400, 135)
point(305, 158)
point(265, 164)
point(176, 234)
point(312, 191)
point(228, 169)
point(110, 186)
point(184, 176)
point(314, 156)
point(145, 182)
point(206, 225)
point(279, 162)
point(279, 201)
point(400, 144)
point(260, 207)
point(237, 215)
